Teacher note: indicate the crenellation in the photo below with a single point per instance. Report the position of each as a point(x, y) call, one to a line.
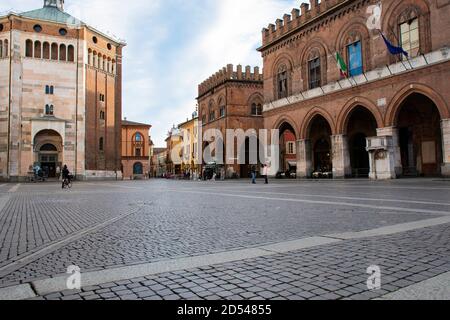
point(297, 18)
point(230, 73)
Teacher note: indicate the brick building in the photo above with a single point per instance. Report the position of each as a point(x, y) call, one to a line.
point(396, 108)
point(60, 95)
point(135, 149)
point(232, 99)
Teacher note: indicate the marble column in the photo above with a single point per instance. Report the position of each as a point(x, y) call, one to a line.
point(341, 157)
point(304, 159)
point(394, 133)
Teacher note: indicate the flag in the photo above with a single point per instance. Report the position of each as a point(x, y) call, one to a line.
point(393, 49)
point(342, 66)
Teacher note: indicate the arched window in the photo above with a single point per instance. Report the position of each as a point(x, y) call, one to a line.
point(29, 49)
point(222, 110)
point(47, 89)
point(282, 82)
point(212, 112)
point(52, 89)
point(54, 51)
point(49, 110)
point(102, 115)
point(37, 50)
point(138, 144)
point(62, 52)
point(256, 109)
point(409, 36)
point(46, 50)
point(104, 64)
point(314, 70)
point(1, 49)
point(100, 62)
point(71, 53)
point(113, 67)
point(6, 49)
point(100, 144)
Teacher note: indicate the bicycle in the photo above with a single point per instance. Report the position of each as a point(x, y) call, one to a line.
point(67, 183)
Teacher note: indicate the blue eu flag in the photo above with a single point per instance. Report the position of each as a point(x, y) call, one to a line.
point(393, 49)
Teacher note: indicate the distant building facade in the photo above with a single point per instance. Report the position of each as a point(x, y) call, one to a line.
point(135, 149)
point(390, 117)
point(232, 99)
point(191, 164)
point(60, 95)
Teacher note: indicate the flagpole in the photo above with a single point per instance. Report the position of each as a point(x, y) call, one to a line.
point(398, 41)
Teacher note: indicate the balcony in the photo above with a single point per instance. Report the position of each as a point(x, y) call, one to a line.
point(431, 58)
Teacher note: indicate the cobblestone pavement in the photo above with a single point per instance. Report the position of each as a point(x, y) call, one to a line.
point(177, 219)
point(328, 272)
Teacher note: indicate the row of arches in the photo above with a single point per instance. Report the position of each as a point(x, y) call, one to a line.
point(101, 61)
point(47, 51)
point(4, 48)
point(417, 122)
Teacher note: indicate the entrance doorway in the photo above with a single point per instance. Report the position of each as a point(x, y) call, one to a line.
point(420, 136)
point(320, 137)
point(361, 125)
point(48, 152)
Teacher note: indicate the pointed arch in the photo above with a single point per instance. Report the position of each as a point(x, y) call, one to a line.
point(316, 111)
point(344, 115)
point(394, 107)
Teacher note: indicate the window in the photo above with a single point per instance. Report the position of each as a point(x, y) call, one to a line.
point(290, 147)
point(46, 51)
point(109, 46)
point(49, 110)
point(138, 137)
point(102, 115)
point(62, 53)
point(138, 152)
point(1, 27)
point(49, 89)
point(212, 115)
point(355, 64)
point(409, 37)
point(222, 112)
point(102, 97)
point(314, 73)
point(282, 81)
point(29, 49)
point(71, 53)
point(63, 31)
point(256, 109)
point(37, 28)
point(54, 51)
point(100, 144)
point(37, 50)
point(1, 49)
point(203, 119)
point(94, 39)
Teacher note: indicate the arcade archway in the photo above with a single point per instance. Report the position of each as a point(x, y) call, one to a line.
point(420, 138)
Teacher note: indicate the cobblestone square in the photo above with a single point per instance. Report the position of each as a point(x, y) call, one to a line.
point(176, 240)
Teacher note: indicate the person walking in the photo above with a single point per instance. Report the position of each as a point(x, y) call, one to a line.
point(253, 171)
point(266, 173)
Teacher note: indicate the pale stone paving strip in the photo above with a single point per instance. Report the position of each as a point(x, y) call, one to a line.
point(58, 283)
point(14, 188)
point(333, 271)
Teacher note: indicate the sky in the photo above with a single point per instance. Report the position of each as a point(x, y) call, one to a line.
point(172, 46)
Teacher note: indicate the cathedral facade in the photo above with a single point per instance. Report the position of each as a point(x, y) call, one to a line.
point(60, 96)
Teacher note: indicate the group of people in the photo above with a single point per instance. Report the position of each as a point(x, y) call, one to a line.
point(264, 173)
point(40, 175)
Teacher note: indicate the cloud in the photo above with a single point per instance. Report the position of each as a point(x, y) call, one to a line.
point(172, 46)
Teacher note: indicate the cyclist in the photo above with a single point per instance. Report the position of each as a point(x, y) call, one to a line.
point(65, 176)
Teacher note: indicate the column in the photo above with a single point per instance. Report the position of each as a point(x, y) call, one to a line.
point(446, 147)
point(341, 157)
point(394, 133)
point(304, 162)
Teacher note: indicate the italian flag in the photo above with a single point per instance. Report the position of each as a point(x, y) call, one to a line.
point(342, 66)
